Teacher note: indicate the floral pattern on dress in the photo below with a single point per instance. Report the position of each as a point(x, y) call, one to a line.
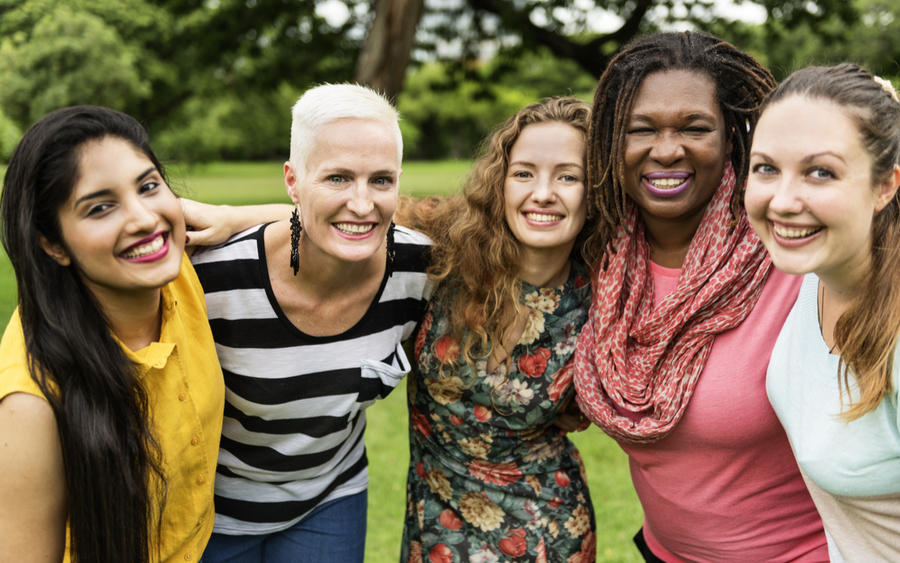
point(491, 479)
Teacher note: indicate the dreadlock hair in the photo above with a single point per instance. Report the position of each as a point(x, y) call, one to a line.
point(475, 254)
point(741, 84)
point(102, 412)
point(867, 332)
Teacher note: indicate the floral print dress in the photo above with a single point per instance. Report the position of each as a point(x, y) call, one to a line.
point(492, 481)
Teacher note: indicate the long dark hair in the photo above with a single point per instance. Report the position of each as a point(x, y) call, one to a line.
point(867, 332)
point(112, 461)
point(741, 84)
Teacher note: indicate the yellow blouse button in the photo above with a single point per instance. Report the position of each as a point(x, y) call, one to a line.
point(201, 479)
point(182, 396)
point(200, 522)
point(195, 440)
point(188, 556)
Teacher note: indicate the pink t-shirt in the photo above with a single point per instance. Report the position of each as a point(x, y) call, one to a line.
point(724, 486)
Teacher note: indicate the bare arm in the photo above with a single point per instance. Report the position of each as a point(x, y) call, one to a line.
point(214, 224)
point(33, 508)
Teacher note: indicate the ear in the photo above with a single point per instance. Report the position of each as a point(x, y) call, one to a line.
point(291, 181)
point(887, 189)
point(729, 142)
point(56, 251)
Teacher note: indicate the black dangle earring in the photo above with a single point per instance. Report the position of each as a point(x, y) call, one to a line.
point(391, 251)
point(296, 229)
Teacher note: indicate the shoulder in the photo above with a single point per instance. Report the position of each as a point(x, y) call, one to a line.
point(242, 246)
point(405, 235)
point(14, 373)
point(29, 438)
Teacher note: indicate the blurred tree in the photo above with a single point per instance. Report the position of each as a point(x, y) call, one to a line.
point(870, 39)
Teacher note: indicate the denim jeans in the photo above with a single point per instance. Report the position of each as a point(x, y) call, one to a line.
point(334, 532)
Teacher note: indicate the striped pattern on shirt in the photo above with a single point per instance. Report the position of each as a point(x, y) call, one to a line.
point(295, 404)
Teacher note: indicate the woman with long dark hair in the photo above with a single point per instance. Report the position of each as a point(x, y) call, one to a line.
point(822, 195)
point(111, 395)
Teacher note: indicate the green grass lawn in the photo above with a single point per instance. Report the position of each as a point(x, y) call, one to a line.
point(618, 511)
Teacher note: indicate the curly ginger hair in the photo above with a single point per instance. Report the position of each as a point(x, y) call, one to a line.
point(475, 254)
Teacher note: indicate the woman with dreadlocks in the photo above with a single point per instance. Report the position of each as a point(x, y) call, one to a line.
point(687, 307)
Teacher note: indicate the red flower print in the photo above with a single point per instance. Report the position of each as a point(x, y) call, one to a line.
point(541, 552)
point(456, 420)
point(561, 381)
point(446, 349)
point(422, 334)
point(421, 422)
point(420, 469)
point(482, 413)
point(554, 502)
point(415, 552)
point(533, 365)
point(588, 553)
point(580, 281)
point(498, 473)
point(440, 554)
point(562, 479)
point(513, 543)
point(450, 520)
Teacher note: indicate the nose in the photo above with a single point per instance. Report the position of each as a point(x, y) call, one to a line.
point(543, 191)
point(141, 217)
point(360, 201)
point(786, 197)
point(667, 149)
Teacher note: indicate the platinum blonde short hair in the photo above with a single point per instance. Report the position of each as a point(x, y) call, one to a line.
point(324, 104)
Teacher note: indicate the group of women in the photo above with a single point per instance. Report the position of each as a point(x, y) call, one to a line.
point(637, 264)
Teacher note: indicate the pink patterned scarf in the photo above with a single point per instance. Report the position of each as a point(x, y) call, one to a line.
point(647, 360)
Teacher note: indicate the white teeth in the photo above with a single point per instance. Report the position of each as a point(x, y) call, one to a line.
point(667, 183)
point(542, 218)
point(794, 233)
point(355, 228)
point(145, 249)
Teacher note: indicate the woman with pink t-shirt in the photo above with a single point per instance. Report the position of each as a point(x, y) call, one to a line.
point(687, 307)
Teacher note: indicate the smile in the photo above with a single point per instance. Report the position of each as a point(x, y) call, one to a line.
point(542, 217)
point(666, 184)
point(354, 228)
point(793, 233)
point(148, 251)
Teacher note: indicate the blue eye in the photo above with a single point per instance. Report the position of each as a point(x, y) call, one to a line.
point(822, 174)
point(764, 169)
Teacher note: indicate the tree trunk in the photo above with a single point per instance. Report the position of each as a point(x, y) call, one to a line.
point(386, 53)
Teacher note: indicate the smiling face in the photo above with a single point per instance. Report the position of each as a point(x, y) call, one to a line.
point(349, 192)
point(122, 226)
point(544, 188)
point(675, 147)
point(810, 194)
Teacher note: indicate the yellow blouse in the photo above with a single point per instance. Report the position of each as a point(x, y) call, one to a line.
point(187, 397)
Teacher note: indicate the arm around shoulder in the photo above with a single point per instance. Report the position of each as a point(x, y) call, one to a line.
point(33, 507)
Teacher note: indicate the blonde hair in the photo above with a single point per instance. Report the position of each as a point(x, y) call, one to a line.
point(324, 104)
point(475, 254)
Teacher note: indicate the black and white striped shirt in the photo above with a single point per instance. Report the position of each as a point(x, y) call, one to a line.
point(295, 404)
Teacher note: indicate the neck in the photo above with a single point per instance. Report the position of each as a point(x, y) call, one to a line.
point(320, 274)
point(135, 319)
point(670, 239)
point(837, 292)
point(545, 269)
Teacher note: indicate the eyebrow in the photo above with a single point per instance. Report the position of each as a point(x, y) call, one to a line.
point(689, 117)
point(106, 192)
point(808, 158)
point(526, 163)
